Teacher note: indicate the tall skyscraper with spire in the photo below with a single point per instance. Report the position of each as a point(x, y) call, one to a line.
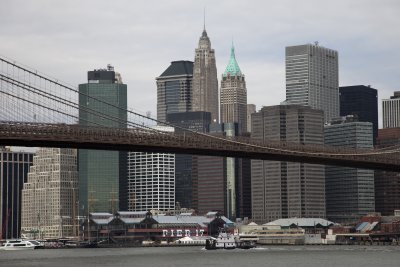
point(205, 81)
point(234, 95)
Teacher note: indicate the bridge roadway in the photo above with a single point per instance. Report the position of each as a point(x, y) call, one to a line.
point(102, 138)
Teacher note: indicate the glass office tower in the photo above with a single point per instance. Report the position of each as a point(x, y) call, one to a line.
point(102, 174)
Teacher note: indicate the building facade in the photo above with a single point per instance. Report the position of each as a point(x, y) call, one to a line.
point(14, 168)
point(102, 174)
point(151, 179)
point(49, 197)
point(312, 78)
point(349, 191)
point(360, 101)
point(287, 189)
point(198, 121)
point(233, 106)
point(234, 95)
point(205, 80)
point(251, 108)
point(391, 111)
point(387, 184)
point(174, 89)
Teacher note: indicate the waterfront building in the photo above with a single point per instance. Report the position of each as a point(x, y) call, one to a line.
point(14, 168)
point(287, 189)
point(102, 174)
point(234, 95)
point(198, 121)
point(49, 197)
point(205, 80)
point(251, 108)
point(349, 191)
point(174, 89)
point(387, 184)
point(139, 226)
point(151, 179)
point(391, 111)
point(360, 101)
point(312, 78)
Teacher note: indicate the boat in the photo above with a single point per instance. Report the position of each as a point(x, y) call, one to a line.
point(21, 244)
point(246, 241)
point(224, 240)
point(227, 240)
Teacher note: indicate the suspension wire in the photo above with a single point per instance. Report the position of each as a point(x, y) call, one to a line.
point(68, 102)
point(55, 82)
point(42, 106)
point(99, 100)
point(94, 98)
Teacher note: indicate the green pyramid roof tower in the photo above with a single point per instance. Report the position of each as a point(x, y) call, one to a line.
point(233, 67)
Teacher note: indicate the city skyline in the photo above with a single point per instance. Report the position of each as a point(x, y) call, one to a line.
point(141, 46)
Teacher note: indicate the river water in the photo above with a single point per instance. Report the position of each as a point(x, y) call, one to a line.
point(273, 256)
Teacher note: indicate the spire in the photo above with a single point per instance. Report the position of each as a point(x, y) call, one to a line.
point(204, 19)
point(232, 68)
point(204, 24)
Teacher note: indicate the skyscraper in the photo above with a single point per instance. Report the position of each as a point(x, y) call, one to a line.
point(102, 174)
point(312, 78)
point(349, 191)
point(14, 168)
point(287, 189)
point(49, 197)
point(151, 179)
point(360, 101)
point(234, 95)
point(387, 184)
point(205, 81)
point(174, 89)
point(251, 108)
point(391, 111)
point(234, 119)
point(198, 121)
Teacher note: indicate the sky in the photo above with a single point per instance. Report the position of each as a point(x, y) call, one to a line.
point(65, 39)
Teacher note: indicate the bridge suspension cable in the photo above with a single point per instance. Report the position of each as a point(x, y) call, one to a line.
point(43, 94)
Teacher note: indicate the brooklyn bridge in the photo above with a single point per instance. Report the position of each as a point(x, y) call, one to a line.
point(39, 111)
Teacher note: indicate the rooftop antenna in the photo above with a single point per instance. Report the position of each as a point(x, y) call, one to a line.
point(204, 19)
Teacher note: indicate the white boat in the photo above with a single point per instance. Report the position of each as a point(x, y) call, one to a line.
point(21, 244)
point(224, 240)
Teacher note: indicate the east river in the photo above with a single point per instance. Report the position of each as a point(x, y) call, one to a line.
point(273, 256)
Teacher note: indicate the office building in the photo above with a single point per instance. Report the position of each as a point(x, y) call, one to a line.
point(251, 108)
point(360, 101)
point(102, 174)
point(387, 184)
point(49, 197)
point(287, 189)
point(312, 78)
point(198, 121)
point(174, 89)
point(233, 105)
point(349, 191)
point(14, 168)
point(205, 81)
point(391, 111)
point(234, 95)
point(209, 184)
point(151, 179)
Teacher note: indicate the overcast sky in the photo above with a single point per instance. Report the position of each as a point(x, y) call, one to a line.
point(65, 39)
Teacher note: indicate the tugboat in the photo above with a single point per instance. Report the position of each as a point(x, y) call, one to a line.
point(224, 240)
point(227, 240)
